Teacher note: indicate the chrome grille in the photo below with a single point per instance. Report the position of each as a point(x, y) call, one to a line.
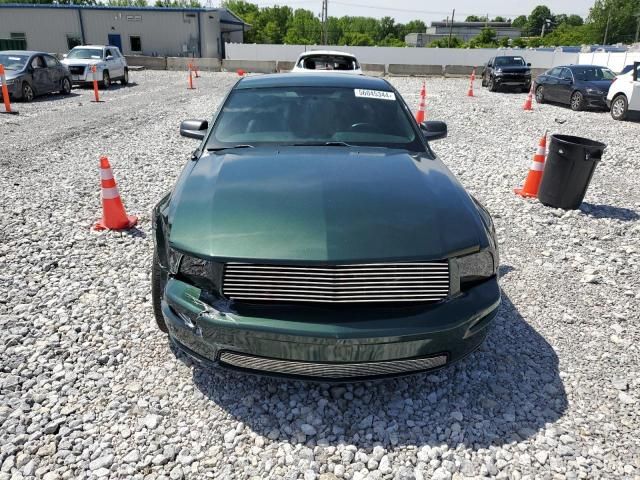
point(331, 370)
point(76, 70)
point(380, 282)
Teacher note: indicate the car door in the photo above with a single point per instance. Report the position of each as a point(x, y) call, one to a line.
point(40, 75)
point(113, 63)
point(488, 70)
point(122, 61)
point(565, 86)
point(551, 84)
point(634, 98)
point(54, 72)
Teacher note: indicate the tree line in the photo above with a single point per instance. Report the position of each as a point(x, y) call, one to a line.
point(282, 24)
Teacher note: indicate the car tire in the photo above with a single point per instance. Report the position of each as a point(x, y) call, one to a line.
point(484, 81)
point(577, 101)
point(106, 80)
point(27, 92)
point(124, 81)
point(158, 282)
point(492, 85)
point(619, 107)
point(66, 86)
point(540, 94)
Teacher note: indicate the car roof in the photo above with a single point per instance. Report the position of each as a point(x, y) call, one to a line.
point(326, 52)
point(23, 52)
point(580, 65)
point(338, 80)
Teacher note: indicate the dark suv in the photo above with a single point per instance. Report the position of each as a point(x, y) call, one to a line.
point(507, 71)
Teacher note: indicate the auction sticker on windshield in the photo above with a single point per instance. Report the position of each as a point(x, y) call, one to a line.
point(379, 94)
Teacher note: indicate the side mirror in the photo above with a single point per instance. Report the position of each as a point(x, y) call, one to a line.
point(194, 129)
point(433, 130)
point(109, 57)
point(528, 64)
point(64, 55)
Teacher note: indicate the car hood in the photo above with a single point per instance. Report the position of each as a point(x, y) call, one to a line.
point(513, 69)
point(322, 204)
point(12, 74)
point(81, 62)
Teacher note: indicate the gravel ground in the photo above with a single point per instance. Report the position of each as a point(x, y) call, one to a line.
point(89, 388)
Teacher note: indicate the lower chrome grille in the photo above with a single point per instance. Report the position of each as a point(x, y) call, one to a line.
point(76, 70)
point(331, 370)
point(385, 282)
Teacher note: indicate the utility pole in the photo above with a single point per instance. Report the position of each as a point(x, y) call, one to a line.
point(606, 30)
point(451, 28)
point(638, 27)
point(325, 18)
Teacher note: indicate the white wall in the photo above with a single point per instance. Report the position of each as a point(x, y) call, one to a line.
point(408, 56)
point(616, 61)
point(161, 33)
point(45, 29)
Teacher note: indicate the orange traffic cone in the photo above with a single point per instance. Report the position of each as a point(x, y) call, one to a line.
point(114, 216)
point(532, 183)
point(421, 114)
point(528, 103)
point(190, 87)
point(473, 77)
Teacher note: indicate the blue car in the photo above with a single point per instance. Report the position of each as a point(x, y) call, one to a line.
point(579, 86)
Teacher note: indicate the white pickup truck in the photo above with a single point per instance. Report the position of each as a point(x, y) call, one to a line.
point(624, 93)
point(109, 62)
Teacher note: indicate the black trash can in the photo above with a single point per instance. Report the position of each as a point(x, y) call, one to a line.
point(568, 169)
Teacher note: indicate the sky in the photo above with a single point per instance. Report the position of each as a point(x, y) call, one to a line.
point(428, 11)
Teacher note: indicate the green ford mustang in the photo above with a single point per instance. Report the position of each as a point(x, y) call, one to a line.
point(316, 235)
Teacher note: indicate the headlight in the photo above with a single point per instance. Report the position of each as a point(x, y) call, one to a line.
point(594, 91)
point(174, 257)
point(476, 267)
point(193, 270)
point(498, 72)
point(10, 82)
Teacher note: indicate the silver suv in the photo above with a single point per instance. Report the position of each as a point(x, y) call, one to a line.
point(109, 62)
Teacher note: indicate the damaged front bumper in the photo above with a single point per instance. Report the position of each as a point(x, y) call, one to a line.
point(326, 343)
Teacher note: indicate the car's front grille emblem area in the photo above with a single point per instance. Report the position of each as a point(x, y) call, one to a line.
point(380, 282)
point(331, 370)
point(75, 70)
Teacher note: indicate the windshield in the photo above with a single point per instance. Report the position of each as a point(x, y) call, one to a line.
point(313, 115)
point(86, 53)
point(328, 62)
point(13, 62)
point(509, 61)
point(589, 74)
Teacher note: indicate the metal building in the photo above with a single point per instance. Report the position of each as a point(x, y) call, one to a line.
point(465, 31)
point(153, 31)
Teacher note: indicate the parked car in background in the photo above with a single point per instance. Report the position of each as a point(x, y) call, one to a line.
point(315, 234)
point(109, 62)
point(29, 74)
point(579, 86)
point(507, 71)
point(624, 93)
point(327, 60)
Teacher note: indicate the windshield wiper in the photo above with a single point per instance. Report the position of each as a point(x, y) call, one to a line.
point(322, 144)
point(218, 149)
